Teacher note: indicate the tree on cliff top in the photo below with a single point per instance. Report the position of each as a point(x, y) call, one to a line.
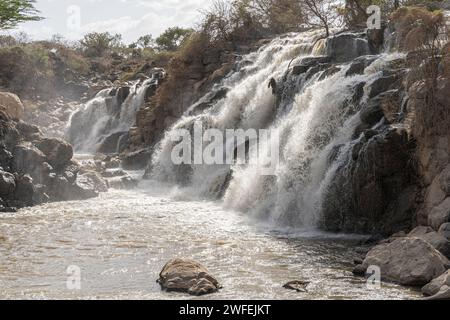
point(173, 38)
point(97, 44)
point(13, 12)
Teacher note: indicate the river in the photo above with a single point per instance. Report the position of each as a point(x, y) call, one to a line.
point(121, 240)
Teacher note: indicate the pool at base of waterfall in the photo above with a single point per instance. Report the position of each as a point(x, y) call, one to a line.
point(117, 245)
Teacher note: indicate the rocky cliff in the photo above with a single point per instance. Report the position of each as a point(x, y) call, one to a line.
point(35, 169)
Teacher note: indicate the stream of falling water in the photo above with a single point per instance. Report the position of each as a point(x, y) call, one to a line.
point(122, 240)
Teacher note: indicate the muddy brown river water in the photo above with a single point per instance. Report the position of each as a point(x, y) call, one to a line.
point(121, 240)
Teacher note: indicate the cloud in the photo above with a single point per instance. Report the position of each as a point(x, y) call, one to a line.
point(131, 18)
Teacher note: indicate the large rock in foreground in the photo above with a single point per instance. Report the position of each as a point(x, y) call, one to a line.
point(187, 276)
point(407, 261)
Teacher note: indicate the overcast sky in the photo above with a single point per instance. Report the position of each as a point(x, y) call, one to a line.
point(131, 18)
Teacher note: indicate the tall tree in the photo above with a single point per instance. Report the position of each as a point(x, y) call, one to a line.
point(13, 12)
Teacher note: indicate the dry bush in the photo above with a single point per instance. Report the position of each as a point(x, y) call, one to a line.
point(424, 35)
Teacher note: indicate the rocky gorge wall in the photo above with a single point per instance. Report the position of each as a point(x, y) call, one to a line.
point(35, 169)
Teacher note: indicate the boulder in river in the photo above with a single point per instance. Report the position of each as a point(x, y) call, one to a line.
point(188, 276)
point(87, 185)
point(298, 285)
point(407, 261)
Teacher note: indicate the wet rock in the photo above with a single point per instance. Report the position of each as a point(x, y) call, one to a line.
point(71, 172)
point(40, 196)
point(347, 46)
point(373, 192)
point(122, 94)
point(24, 192)
point(329, 72)
point(136, 160)
point(11, 104)
point(309, 62)
point(187, 276)
point(111, 143)
point(407, 261)
point(100, 184)
point(372, 113)
point(26, 158)
point(298, 70)
point(383, 84)
point(439, 215)
point(359, 270)
point(111, 173)
point(435, 286)
point(376, 39)
point(123, 183)
point(298, 285)
point(6, 158)
point(58, 152)
point(86, 186)
point(113, 163)
point(7, 184)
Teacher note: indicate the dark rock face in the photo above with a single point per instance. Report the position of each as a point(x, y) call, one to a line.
point(347, 46)
point(111, 144)
point(359, 65)
point(136, 160)
point(375, 192)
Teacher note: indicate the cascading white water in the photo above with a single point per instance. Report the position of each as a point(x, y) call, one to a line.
point(104, 115)
point(321, 116)
point(248, 104)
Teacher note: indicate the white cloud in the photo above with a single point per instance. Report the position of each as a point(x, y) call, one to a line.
point(131, 18)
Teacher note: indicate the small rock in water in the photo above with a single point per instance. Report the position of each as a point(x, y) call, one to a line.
point(443, 294)
point(187, 276)
point(359, 270)
point(299, 286)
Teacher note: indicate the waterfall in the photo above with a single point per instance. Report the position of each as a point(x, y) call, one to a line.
point(109, 115)
point(316, 113)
